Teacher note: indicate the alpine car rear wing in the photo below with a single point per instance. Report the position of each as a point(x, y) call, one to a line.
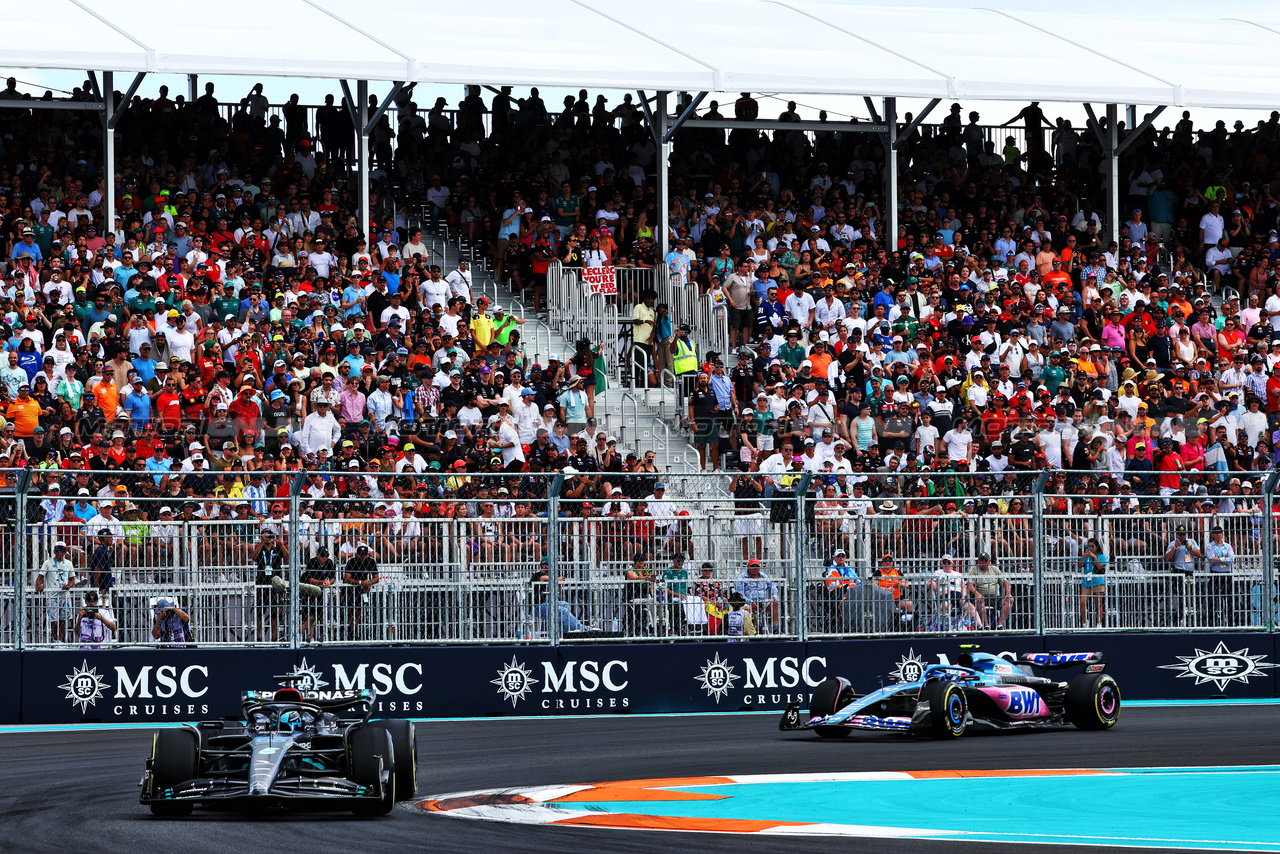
point(1092, 661)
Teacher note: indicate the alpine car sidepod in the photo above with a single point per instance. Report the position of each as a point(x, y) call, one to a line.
point(318, 748)
point(980, 689)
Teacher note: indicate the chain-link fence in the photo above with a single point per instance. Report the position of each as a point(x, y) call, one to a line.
point(232, 558)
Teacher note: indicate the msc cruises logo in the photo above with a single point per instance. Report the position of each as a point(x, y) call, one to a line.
point(910, 668)
point(1220, 666)
point(717, 677)
point(304, 678)
point(514, 681)
point(84, 686)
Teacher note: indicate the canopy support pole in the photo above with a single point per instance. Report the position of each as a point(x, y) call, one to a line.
point(108, 154)
point(662, 201)
point(1113, 178)
point(683, 117)
point(362, 164)
point(193, 87)
point(915, 123)
point(889, 217)
point(1135, 132)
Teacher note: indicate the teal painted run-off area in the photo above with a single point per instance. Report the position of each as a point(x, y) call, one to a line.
point(1210, 809)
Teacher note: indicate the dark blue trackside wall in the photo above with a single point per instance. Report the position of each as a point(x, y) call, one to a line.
point(178, 685)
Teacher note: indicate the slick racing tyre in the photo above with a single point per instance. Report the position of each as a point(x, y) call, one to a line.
point(828, 698)
point(1093, 701)
point(404, 742)
point(948, 709)
point(371, 751)
point(175, 755)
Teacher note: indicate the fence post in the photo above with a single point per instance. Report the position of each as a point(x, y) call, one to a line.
point(1268, 551)
point(1037, 551)
point(802, 551)
point(21, 540)
point(553, 558)
point(295, 549)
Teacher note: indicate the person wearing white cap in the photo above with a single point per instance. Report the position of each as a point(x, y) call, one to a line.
point(56, 576)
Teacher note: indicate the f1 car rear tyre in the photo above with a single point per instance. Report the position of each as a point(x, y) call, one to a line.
point(371, 750)
point(405, 744)
point(948, 709)
point(828, 698)
point(175, 755)
point(1093, 701)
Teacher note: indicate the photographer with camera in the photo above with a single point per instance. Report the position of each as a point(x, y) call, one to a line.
point(95, 621)
point(170, 626)
point(56, 576)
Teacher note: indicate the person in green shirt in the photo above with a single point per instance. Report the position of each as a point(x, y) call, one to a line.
point(44, 234)
point(224, 303)
point(567, 205)
point(676, 582)
point(792, 352)
point(1053, 374)
point(504, 324)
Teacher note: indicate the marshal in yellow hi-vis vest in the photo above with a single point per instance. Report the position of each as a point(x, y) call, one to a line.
point(686, 357)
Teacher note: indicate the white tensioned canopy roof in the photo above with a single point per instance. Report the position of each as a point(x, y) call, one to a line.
point(1140, 52)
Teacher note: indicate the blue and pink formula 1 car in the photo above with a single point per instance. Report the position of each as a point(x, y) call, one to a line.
point(979, 690)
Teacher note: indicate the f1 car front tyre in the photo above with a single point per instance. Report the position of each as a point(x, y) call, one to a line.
point(828, 698)
point(175, 754)
point(372, 750)
point(1093, 701)
point(404, 742)
point(948, 709)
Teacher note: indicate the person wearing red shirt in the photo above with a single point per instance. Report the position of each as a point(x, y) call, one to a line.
point(996, 419)
point(244, 410)
point(168, 404)
point(1169, 464)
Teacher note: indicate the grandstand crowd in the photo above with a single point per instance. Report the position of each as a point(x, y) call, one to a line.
point(233, 319)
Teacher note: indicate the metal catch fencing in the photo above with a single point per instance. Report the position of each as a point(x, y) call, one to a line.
point(556, 558)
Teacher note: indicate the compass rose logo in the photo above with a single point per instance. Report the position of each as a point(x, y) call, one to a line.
point(84, 686)
point(910, 668)
point(514, 681)
point(1221, 666)
point(717, 678)
point(305, 677)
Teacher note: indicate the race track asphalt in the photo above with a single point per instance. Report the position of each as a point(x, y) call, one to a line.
point(78, 790)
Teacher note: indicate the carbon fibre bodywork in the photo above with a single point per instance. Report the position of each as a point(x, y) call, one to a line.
point(290, 748)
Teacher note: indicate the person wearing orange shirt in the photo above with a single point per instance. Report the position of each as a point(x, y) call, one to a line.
point(107, 396)
point(1056, 278)
point(24, 413)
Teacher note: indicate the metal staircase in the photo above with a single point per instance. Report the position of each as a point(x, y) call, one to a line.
point(641, 419)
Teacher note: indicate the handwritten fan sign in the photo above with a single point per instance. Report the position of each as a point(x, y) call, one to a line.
point(600, 280)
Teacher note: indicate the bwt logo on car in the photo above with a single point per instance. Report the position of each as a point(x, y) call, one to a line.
point(782, 672)
point(516, 681)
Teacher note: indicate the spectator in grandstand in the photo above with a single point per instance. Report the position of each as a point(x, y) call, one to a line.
point(1221, 558)
point(760, 593)
point(542, 607)
point(359, 575)
point(270, 586)
point(55, 578)
point(992, 594)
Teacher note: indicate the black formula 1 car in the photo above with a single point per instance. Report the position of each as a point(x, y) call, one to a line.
point(981, 690)
point(316, 748)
